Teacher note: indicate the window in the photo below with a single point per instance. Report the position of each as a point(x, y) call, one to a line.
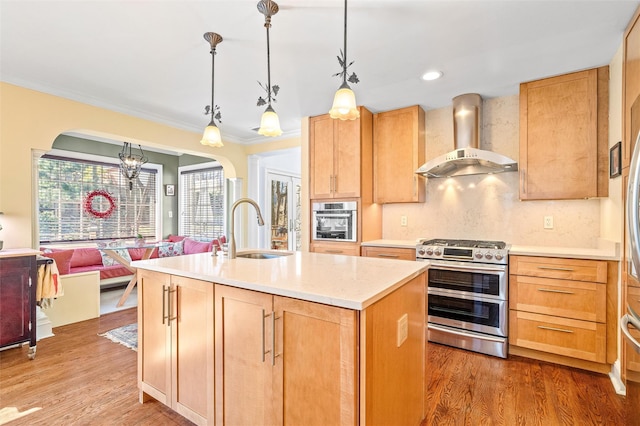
point(65, 186)
point(202, 201)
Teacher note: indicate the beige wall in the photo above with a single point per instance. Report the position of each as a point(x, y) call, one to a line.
point(31, 120)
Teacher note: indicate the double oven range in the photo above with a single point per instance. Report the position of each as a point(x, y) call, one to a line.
point(467, 294)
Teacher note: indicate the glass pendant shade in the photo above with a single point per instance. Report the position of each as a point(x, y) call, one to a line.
point(344, 104)
point(270, 123)
point(211, 136)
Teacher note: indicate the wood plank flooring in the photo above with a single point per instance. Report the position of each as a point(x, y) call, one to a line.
point(79, 378)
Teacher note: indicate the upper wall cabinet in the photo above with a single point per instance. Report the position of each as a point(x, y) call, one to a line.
point(398, 151)
point(564, 126)
point(340, 157)
point(631, 88)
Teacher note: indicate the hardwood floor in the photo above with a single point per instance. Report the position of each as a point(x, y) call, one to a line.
point(79, 378)
point(465, 388)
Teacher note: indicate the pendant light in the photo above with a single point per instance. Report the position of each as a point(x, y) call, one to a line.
point(270, 123)
point(344, 102)
point(130, 163)
point(211, 136)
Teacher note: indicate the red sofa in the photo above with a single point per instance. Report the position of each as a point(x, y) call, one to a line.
point(85, 259)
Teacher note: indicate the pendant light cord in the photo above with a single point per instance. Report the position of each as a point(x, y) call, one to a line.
point(344, 66)
point(267, 24)
point(213, 79)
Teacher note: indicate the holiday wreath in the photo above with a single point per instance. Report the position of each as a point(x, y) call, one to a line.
point(88, 204)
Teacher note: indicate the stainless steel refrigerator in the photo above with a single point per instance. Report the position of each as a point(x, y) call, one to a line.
point(630, 321)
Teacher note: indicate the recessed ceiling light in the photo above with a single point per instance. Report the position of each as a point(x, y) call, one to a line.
point(431, 75)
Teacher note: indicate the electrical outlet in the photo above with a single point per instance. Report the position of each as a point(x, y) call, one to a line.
point(403, 329)
point(548, 222)
point(403, 221)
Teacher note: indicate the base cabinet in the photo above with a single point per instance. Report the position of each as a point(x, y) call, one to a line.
point(176, 353)
point(293, 362)
point(18, 302)
point(398, 253)
point(563, 310)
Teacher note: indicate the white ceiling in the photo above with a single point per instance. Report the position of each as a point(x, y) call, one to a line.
point(148, 58)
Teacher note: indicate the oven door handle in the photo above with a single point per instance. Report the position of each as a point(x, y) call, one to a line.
point(321, 215)
point(475, 268)
point(624, 326)
point(465, 333)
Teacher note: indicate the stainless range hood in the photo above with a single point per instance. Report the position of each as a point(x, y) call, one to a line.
point(467, 158)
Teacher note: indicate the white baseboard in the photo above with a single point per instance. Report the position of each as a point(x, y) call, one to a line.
point(616, 381)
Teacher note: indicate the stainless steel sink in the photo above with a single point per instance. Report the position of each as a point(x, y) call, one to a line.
point(261, 255)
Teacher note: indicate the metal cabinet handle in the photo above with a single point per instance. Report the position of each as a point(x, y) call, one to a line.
point(164, 304)
point(333, 251)
point(169, 317)
point(555, 329)
point(548, 290)
point(273, 338)
point(264, 351)
point(555, 268)
point(415, 186)
point(393, 256)
point(335, 183)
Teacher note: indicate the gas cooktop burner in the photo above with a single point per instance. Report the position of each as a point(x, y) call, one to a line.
point(496, 245)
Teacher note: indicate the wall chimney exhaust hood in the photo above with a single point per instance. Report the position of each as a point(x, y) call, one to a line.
point(467, 158)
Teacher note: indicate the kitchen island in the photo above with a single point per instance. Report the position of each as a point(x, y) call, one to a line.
point(302, 339)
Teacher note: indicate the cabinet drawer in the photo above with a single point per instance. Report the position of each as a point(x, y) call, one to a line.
point(580, 300)
point(390, 253)
point(559, 268)
point(578, 339)
point(336, 248)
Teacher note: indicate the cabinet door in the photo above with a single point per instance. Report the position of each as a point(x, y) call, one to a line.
point(321, 135)
point(192, 348)
point(243, 358)
point(559, 139)
point(15, 309)
point(315, 378)
point(346, 160)
point(154, 336)
point(398, 143)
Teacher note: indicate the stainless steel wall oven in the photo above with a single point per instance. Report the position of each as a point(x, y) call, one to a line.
point(467, 294)
point(335, 221)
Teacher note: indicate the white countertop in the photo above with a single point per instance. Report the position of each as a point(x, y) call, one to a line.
point(346, 281)
point(16, 252)
point(391, 243)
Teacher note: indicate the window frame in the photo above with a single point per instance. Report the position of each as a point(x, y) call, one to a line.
point(80, 156)
point(182, 193)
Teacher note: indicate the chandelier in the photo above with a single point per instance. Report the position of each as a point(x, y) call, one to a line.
point(211, 136)
point(270, 123)
point(130, 163)
point(344, 102)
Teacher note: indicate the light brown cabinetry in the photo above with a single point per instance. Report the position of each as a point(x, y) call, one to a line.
point(563, 310)
point(349, 249)
point(176, 350)
point(340, 157)
point(289, 361)
point(564, 136)
point(398, 151)
point(389, 252)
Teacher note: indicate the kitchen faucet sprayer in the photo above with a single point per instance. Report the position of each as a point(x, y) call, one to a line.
point(232, 237)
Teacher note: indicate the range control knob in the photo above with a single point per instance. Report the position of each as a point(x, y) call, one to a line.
point(421, 252)
point(499, 256)
point(429, 251)
point(478, 255)
point(488, 256)
point(437, 252)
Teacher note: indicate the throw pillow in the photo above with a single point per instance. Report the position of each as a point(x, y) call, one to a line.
point(62, 259)
point(171, 249)
point(176, 238)
point(192, 246)
point(108, 260)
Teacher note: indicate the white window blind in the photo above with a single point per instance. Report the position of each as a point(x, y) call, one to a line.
point(63, 187)
point(202, 202)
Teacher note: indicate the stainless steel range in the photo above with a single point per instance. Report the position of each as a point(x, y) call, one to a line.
point(467, 294)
